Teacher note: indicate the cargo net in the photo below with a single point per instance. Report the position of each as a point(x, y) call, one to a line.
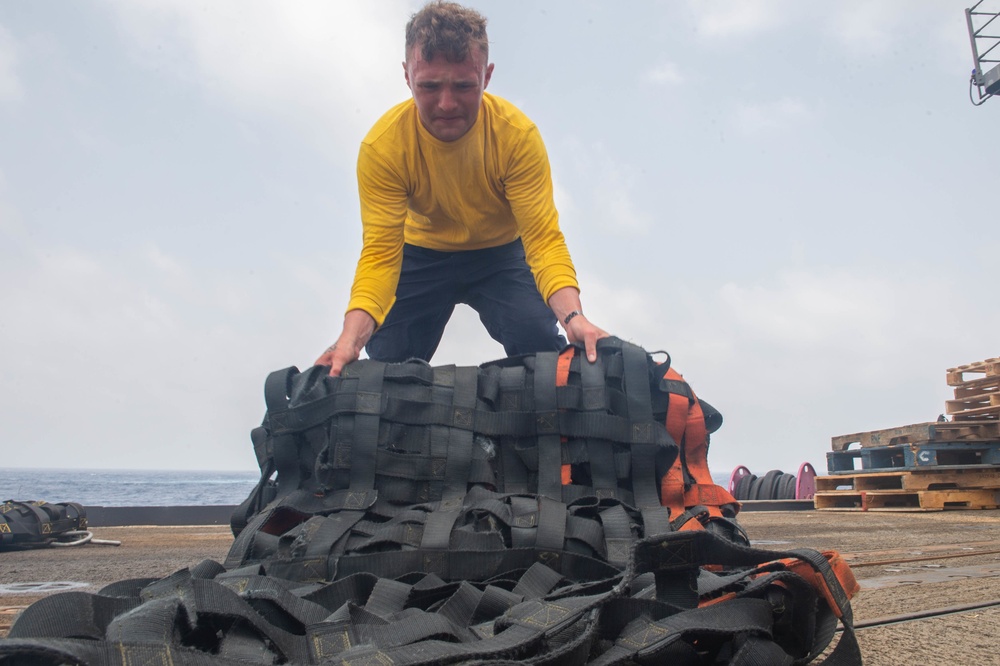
point(408, 514)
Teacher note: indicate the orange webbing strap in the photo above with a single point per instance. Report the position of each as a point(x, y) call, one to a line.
point(677, 409)
point(840, 569)
point(838, 566)
point(704, 491)
point(672, 483)
point(562, 378)
point(686, 425)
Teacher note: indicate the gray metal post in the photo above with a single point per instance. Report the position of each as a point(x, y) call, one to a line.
point(977, 74)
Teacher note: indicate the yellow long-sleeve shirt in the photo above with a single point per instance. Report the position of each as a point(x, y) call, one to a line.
point(485, 189)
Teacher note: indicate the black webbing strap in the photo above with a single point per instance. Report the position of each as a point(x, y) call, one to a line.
point(239, 552)
point(415, 628)
point(646, 640)
point(323, 542)
point(367, 411)
point(641, 418)
point(433, 441)
point(388, 597)
point(600, 452)
point(603, 470)
point(285, 605)
point(512, 382)
point(549, 441)
point(551, 531)
point(618, 536)
point(411, 372)
point(656, 518)
point(203, 601)
point(283, 448)
point(260, 495)
point(570, 423)
point(456, 477)
point(334, 594)
point(537, 581)
point(592, 382)
point(71, 615)
point(677, 587)
point(495, 601)
point(439, 524)
point(523, 521)
point(329, 643)
point(552, 615)
point(461, 605)
point(371, 536)
point(588, 531)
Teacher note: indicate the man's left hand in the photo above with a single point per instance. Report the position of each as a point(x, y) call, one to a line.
point(582, 332)
point(566, 306)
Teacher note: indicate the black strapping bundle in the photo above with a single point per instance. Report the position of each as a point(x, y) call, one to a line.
point(535, 610)
point(385, 436)
point(35, 523)
point(416, 515)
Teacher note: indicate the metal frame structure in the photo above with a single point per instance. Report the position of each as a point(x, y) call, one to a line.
point(987, 82)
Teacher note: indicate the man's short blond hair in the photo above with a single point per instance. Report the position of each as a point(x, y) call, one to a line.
point(447, 29)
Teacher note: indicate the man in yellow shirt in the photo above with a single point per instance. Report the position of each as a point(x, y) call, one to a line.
point(456, 207)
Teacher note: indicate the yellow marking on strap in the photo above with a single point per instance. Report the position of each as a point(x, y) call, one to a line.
point(644, 637)
point(339, 642)
point(165, 656)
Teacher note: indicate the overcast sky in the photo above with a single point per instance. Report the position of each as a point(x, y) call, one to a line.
point(796, 200)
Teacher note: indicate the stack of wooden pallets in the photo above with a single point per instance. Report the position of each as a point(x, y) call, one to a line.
point(977, 391)
point(926, 466)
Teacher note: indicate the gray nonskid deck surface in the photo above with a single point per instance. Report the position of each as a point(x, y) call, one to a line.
point(960, 542)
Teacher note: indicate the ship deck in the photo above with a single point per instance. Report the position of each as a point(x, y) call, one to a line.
point(930, 580)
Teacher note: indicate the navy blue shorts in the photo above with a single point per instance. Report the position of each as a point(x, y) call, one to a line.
point(496, 282)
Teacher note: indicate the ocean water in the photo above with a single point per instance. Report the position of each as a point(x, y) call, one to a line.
point(95, 487)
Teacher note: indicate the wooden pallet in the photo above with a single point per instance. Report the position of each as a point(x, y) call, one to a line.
point(983, 386)
point(988, 368)
point(907, 457)
point(972, 402)
point(907, 500)
point(920, 433)
point(942, 478)
point(991, 412)
point(984, 405)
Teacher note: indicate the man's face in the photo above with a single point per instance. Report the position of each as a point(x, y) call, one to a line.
point(448, 94)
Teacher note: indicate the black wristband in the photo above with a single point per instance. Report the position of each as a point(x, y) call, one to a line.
point(570, 316)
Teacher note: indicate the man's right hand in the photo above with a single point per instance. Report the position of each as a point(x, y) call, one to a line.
point(358, 328)
point(337, 357)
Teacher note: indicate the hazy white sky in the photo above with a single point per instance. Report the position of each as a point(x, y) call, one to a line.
point(796, 199)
